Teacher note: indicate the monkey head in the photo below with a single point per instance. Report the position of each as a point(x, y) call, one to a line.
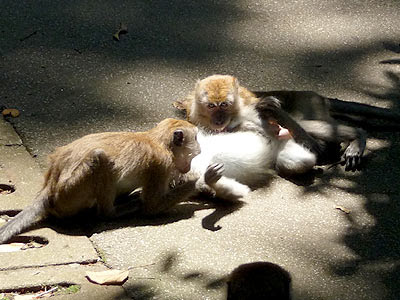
point(215, 102)
point(259, 280)
point(185, 147)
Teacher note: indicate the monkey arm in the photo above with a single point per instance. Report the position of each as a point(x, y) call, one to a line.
point(269, 108)
point(159, 199)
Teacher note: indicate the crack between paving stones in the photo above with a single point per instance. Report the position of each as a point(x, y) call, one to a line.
point(87, 262)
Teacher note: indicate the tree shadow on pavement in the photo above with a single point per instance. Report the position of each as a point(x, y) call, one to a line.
point(376, 246)
point(87, 223)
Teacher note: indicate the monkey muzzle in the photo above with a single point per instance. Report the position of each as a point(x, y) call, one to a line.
point(219, 120)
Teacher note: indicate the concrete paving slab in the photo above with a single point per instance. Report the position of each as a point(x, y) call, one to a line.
point(66, 258)
point(56, 275)
point(284, 224)
point(8, 136)
point(21, 171)
point(17, 168)
point(61, 249)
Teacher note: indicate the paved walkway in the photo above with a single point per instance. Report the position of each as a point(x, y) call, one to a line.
point(62, 70)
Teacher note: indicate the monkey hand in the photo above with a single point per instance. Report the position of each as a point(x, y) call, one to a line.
point(352, 157)
point(213, 173)
point(268, 105)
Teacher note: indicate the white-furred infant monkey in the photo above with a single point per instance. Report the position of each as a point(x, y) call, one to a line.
point(93, 170)
point(245, 159)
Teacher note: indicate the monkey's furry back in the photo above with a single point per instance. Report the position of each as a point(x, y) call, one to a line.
point(247, 156)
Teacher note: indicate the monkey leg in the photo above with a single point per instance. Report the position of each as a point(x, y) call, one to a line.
point(102, 184)
point(229, 189)
point(159, 198)
point(128, 208)
point(294, 159)
point(333, 132)
point(81, 185)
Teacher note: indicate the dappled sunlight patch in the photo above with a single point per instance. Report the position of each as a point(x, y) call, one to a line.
point(377, 144)
point(343, 183)
point(21, 243)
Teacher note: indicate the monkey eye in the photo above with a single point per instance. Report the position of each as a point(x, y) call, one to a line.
point(223, 105)
point(211, 105)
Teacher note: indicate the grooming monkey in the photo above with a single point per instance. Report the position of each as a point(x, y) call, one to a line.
point(93, 170)
point(219, 103)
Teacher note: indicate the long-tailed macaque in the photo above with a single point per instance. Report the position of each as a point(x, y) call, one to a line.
point(259, 280)
point(218, 103)
point(93, 170)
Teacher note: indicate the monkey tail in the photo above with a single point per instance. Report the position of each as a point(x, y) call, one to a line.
point(364, 110)
point(24, 219)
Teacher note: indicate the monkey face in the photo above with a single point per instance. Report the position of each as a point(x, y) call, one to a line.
point(216, 102)
point(219, 115)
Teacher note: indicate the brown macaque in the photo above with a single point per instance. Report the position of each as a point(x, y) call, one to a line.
point(92, 171)
point(259, 281)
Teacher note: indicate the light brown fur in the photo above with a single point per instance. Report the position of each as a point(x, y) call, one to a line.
point(224, 93)
point(93, 170)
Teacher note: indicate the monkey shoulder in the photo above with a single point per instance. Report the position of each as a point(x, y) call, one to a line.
point(247, 97)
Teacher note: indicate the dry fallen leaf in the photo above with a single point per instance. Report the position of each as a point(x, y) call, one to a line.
point(10, 112)
point(343, 209)
point(123, 29)
point(108, 277)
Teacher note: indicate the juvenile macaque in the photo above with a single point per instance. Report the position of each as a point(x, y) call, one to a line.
point(93, 170)
point(259, 280)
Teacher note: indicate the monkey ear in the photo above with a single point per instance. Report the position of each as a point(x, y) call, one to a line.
point(178, 137)
point(235, 86)
point(197, 88)
point(235, 83)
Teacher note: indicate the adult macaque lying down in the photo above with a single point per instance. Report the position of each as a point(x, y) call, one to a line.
point(218, 103)
point(93, 170)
